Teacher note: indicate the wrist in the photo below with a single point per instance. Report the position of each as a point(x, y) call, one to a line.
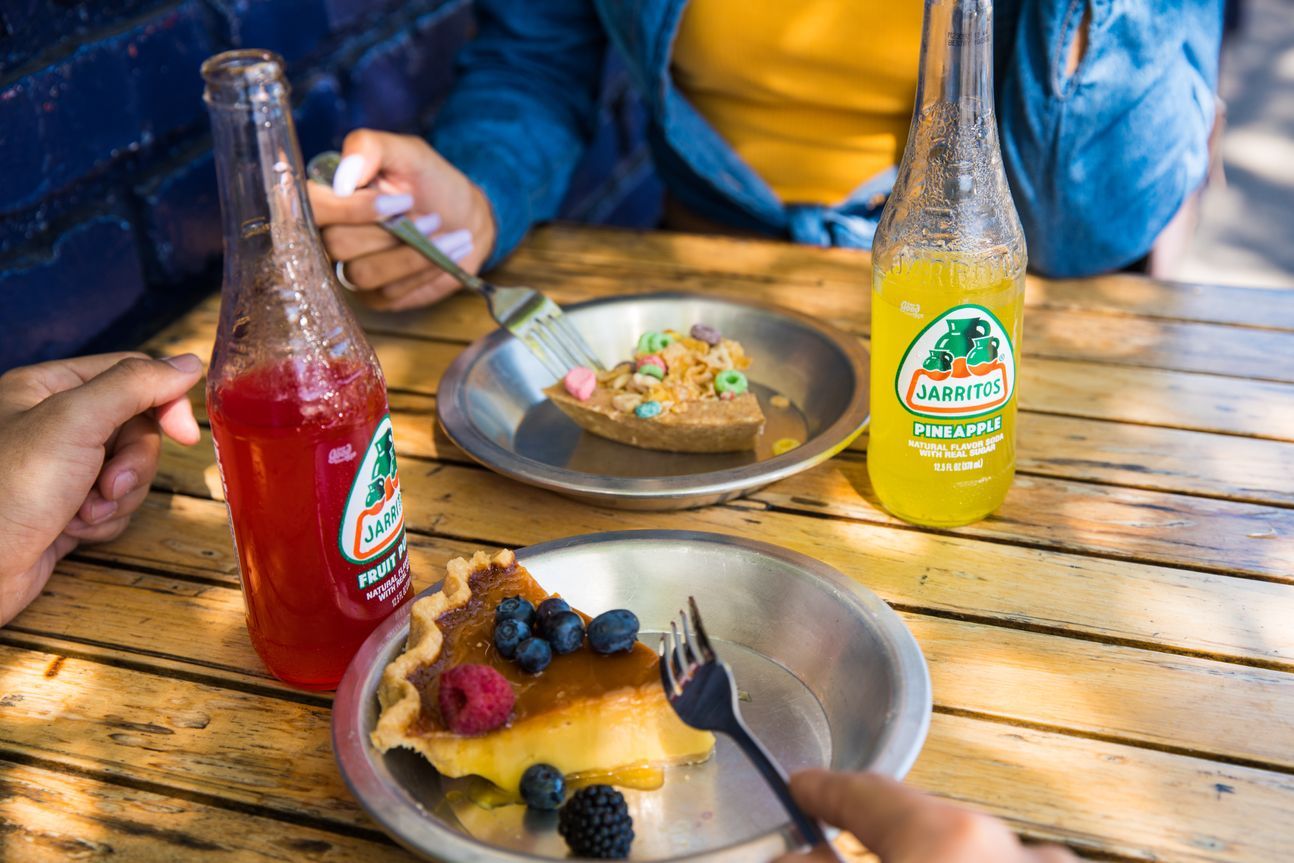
point(484, 227)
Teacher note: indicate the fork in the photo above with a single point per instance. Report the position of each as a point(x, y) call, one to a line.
point(529, 315)
point(701, 689)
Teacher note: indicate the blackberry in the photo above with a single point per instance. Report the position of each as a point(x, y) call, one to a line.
point(595, 822)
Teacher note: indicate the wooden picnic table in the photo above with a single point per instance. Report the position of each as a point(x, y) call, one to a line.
point(1112, 653)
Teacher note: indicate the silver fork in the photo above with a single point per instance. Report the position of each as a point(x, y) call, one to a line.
point(701, 690)
point(524, 312)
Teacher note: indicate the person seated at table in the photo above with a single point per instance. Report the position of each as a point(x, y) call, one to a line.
point(79, 442)
point(786, 120)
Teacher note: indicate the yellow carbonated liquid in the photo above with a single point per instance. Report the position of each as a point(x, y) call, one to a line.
point(945, 356)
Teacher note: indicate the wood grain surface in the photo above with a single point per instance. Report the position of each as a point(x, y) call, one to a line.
point(1112, 652)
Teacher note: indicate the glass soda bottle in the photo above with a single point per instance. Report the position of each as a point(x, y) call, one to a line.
point(296, 400)
point(948, 266)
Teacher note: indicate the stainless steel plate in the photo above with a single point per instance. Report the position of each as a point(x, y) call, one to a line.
point(491, 404)
point(833, 677)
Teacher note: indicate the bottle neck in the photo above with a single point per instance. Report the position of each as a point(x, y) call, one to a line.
point(280, 303)
point(263, 200)
point(957, 57)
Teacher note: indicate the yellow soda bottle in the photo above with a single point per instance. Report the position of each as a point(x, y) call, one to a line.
point(948, 265)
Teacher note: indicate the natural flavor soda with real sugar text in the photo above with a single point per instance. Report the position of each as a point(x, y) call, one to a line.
point(945, 337)
point(318, 514)
point(296, 400)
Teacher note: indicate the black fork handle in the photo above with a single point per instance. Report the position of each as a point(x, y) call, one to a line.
point(809, 830)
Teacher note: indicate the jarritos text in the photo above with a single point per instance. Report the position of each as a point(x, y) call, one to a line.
point(374, 516)
point(962, 365)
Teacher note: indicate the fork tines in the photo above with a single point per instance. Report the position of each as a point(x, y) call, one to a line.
point(686, 652)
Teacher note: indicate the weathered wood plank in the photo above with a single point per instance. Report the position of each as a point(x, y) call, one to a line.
point(1225, 536)
point(54, 817)
point(906, 567)
point(657, 255)
point(1221, 535)
point(1137, 456)
point(253, 750)
point(256, 750)
point(1078, 386)
point(1151, 457)
point(1026, 676)
point(1110, 691)
point(1241, 620)
point(1108, 798)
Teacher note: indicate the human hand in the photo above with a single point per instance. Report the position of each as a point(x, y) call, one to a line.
point(79, 441)
point(411, 178)
point(901, 825)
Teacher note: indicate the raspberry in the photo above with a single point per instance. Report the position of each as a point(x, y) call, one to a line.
point(475, 699)
point(595, 822)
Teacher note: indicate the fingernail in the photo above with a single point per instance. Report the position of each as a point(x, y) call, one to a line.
point(347, 175)
point(391, 205)
point(185, 362)
point(101, 509)
point(428, 223)
point(450, 242)
point(457, 257)
point(124, 483)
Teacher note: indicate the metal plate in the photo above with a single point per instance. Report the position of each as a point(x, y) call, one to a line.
point(833, 677)
point(491, 404)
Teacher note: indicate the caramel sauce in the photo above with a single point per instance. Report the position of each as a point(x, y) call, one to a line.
point(642, 777)
point(469, 632)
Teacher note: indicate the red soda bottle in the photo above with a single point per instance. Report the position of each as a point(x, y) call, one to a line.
point(296, 400)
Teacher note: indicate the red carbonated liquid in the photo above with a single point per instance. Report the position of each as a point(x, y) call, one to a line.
point(308, 466)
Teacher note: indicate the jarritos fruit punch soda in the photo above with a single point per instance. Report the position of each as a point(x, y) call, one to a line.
point(296, 400)
point(947, 292)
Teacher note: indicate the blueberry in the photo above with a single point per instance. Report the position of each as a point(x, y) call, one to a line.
point(564, 632)
point(613, 631)
point(515, 608)
point(533, 655)
point(508, 634)
point(548, 608)
point(543, 787)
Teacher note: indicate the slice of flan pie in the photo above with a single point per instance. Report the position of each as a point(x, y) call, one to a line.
point(584, 712)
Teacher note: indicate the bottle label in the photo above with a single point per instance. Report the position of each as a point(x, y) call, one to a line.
point(373, 520)
point(960, 367)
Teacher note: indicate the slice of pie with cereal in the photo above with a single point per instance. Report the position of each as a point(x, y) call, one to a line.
point(680, 393)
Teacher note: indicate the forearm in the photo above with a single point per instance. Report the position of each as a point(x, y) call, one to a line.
point(1106, 112)
point(523, 109)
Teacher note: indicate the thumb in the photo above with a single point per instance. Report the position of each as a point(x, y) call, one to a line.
point(95, 409)
point(873, 808)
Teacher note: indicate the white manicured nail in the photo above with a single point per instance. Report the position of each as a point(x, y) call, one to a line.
point(348, 173)
point(390, 205)
point(428, 223)
point(450, 241)
point(459, 251)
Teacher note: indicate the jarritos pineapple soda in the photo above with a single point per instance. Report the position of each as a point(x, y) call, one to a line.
point(296, 400)
point(947, 292)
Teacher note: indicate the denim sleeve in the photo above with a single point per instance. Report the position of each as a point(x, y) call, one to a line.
point(1101, 161)
point(524, 107)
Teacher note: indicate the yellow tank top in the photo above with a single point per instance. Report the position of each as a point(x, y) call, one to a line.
point(815, 95)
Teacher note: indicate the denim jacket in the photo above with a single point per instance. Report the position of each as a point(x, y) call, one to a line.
point(1098, 162)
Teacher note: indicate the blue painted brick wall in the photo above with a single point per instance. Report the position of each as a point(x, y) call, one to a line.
point(89, 277)
point(109, 220)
